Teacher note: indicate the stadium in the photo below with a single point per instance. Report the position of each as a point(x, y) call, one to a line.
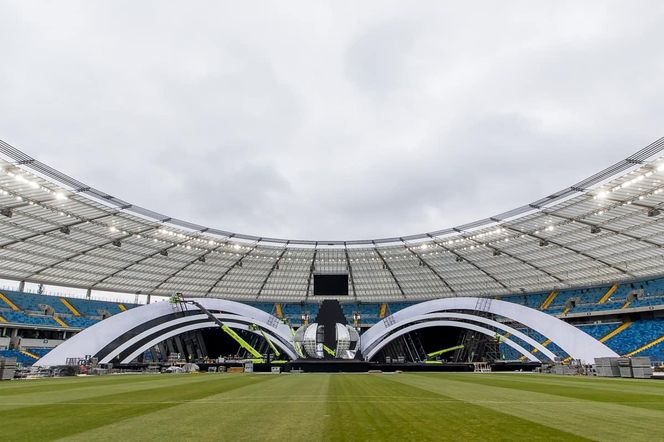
point(571, 284)
point(348, 221)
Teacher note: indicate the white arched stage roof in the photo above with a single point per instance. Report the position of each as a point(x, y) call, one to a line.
point(122, 337)
point(570, 339)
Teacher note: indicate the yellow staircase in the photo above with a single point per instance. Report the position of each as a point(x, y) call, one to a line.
point(549, 299)
point(60, 321)
point(122, 307)
point(544, 344)
point(606, 337)
point(383, 310)
point(645, 347)
point(70, 307)
point(2, 319)
point(9, 302)
point(626, 304)
point(566, 311)
point(608, 294)
point(279, 311)
point(31, 355)
point(535, 350)
point(615, 331)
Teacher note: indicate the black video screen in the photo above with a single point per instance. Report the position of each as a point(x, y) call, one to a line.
point(331, 285)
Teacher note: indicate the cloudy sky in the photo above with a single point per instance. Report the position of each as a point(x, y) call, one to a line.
point(361, 119)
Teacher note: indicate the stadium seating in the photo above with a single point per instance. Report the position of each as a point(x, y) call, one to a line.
point(26, 357)
point(80, 322)
point(33, 309)
point(599, 330)
point(23, 318)
point(40, 351)
point(92, 307)
point(625, 339)
point(20, 357)
point(30, 302)
point(640, 333)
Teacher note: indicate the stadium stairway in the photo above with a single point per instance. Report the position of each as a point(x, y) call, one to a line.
point(645, 347)
point(535, 350)
point(614, 332)
point(9, 302)
point(549, 299)
point(608, 294)
point(28, 354)
point(2, 319)
point(383, 311)
point(60, 321)
point(278, 311)
point(122, 307)
point(70, 307)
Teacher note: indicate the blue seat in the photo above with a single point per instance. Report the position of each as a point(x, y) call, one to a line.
point(29, 319)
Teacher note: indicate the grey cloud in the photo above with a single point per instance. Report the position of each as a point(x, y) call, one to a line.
point(353, 121)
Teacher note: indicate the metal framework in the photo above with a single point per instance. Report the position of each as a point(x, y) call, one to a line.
point(607, 228)
point(570, 339)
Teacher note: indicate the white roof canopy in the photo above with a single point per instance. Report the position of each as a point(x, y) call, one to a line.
point(56, 230)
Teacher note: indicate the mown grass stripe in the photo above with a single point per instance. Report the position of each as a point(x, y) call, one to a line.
point(283, 417)
point(56, 422)
point(407, 406)
point(419, 414)
point(606, 394)
point(593, 420)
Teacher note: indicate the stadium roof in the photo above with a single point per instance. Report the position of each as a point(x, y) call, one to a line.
point(56, 230)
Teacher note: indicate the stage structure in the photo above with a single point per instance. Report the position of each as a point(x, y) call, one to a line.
point(123, 337)
point(329, 337)
point(465, 311)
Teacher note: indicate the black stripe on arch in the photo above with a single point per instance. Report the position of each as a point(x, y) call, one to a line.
point(132, 333)
point(135, 346)
point(239, 320)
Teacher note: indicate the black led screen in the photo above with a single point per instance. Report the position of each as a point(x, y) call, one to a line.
point(331, 285)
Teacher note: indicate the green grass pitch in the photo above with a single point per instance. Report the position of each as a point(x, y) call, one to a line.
point(404, 406)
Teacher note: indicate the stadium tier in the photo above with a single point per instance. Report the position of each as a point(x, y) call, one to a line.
point(630, 309)
point(585, 258)
point(63, 232)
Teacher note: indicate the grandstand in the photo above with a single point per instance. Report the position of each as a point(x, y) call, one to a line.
point(626, 329)
point(587, 256)
point(569, 284)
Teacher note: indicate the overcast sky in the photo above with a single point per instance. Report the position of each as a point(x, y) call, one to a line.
point(356, 120)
